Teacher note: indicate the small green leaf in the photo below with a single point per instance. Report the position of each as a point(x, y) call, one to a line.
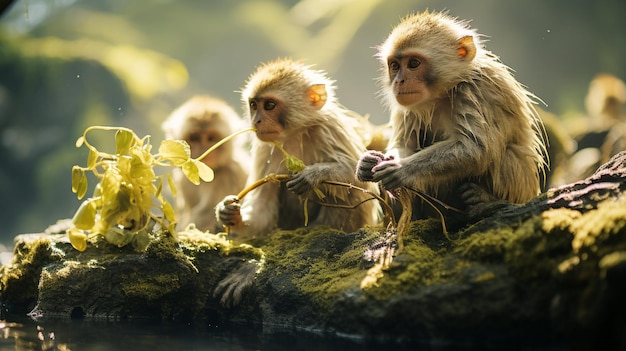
point(82, 187)
point(92, 158)
point(78, 239)
point(85, 216)
point(124, 139)
point(205, 172)
point(80, 141)
point(159, 187)
point(171, 184)
point(190, 170)
point(77, 174)
point(168, 211)
point(294, 164)
point(79, 182)
point(176, 152)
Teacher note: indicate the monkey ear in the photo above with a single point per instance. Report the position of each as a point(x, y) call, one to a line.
point(467, 49)
point(317, 95)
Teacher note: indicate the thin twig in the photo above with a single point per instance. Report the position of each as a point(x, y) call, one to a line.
point(387, 210)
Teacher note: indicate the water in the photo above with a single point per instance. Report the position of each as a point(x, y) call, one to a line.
point(24, 334)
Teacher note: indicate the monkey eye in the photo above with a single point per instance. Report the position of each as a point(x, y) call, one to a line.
point(253, 105)
point(269, 105)
point(194, 138)
point(414, 62)
point(394, 65)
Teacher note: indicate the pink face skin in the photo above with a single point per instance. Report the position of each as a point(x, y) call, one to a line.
point(408, 76)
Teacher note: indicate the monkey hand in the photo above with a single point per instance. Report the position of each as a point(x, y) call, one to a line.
point(369, 160)
point(228, 211)
point(230, 289)
point(390, 173)
point(302, 182)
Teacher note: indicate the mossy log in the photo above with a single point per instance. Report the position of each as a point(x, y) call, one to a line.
point(551, 272)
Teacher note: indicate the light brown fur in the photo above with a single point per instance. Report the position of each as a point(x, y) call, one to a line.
point(202, 121)
point(317, 130)
point(466, 121)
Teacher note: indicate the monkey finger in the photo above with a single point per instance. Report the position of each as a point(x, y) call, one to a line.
point(365, 174)
point(366, 163)
point(386, 165)
point(390, 178)
point(230, 199)
point(299, 185)
point(229, 215)
point(373, 154)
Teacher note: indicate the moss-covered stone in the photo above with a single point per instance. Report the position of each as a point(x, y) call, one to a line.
point(550, 272)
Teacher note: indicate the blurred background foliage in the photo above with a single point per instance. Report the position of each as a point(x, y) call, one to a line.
point(69, 64)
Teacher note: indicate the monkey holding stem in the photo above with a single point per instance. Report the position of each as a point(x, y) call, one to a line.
point(203, 121)
point(293, 107)
point(464, 130)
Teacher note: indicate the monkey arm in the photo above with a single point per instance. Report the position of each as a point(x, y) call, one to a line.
point(314, 175)
point(446, 160)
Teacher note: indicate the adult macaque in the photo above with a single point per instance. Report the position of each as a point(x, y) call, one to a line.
point(202, 121)
point(294, 106)
point(463, 127)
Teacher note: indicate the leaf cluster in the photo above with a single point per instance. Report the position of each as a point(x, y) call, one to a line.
point(120, 208)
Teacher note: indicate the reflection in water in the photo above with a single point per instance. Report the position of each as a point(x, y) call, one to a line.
point(23, 334)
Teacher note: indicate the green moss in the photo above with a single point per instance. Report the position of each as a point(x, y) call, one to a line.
point(485, 246)
point(322, 263)
point(19, 281)
point(150, 287)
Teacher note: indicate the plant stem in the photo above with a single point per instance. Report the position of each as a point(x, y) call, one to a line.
point(272, 177)
point(219, 143)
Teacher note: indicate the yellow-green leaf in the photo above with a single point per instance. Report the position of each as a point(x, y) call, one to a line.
point(172, 185)
point(168, 212)
point(159, 187)
point(79, 182)
point(85, 216)
point(124, 139)
point(77, 175)
point(190, 170)
point(80, 141)
point(92, 158)
point(176, 152)
point(294, 164)
point(78, 239)
point(82, 187)
point(205, 172)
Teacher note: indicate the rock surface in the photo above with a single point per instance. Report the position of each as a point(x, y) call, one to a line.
point(549, 274)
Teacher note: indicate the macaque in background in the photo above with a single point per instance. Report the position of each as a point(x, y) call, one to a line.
point(295, 106)
point(605, 100)
point(202, 121)
point(604, 133)
point(464, 130)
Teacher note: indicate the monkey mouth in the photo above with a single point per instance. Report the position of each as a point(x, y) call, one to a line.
point(267, 135)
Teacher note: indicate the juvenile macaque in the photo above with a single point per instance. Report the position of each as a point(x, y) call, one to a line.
point(605, 100)
point(295, 106)
point(463, 127)
point(201, 122)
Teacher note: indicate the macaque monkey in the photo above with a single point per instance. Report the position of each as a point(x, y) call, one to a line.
point(294, 106)
point(202, 121)
point(605, 100)
point(604, 133)
point(464, 130)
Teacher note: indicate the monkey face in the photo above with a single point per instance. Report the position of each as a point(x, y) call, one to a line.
point(202, 139)
point(408, 76)
point(266, 114)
